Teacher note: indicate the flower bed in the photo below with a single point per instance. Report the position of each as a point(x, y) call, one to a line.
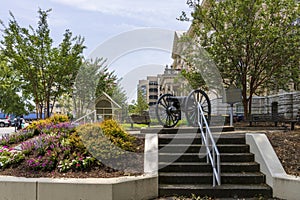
point(55, 148)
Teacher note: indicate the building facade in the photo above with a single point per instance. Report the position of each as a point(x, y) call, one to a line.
point(149, 89)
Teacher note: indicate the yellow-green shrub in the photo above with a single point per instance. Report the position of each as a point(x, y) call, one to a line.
point(75, 141)
point(58, 118)
point(106, 141)
point(117, 134)
point(54, 119)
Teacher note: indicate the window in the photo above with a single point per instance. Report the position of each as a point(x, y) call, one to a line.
point(153, 90)
point(153, 83)
point(152, 103)
point(153, 97)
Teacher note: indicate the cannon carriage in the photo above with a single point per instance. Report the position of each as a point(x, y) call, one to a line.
point(169, 108)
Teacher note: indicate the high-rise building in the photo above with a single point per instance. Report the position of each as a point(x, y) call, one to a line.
point(149, 89)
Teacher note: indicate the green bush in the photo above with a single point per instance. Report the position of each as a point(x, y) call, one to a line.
point(106, 141)
point(117, 134)
point(54, 119)
point(75, 141)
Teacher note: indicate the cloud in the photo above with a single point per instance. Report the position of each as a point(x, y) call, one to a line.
point(150, 12)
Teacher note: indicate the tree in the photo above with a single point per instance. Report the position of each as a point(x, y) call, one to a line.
point(141, 104)
point(120, 97)
point(254, 43)
point(10, 99)
point(45, 72)
point(92, 80)
point(193, 77)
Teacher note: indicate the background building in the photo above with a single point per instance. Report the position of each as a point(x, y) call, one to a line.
point(149, 89)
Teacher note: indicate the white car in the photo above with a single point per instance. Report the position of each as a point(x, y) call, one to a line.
point(4, 122)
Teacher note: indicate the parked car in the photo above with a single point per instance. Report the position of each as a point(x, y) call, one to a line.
point(12, 121)
point(4, 119)
point(4, 122)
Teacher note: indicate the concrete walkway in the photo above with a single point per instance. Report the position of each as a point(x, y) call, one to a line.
point(5, 130)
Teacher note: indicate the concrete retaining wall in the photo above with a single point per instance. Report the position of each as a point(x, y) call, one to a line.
point(121, 188)
point(284, 186)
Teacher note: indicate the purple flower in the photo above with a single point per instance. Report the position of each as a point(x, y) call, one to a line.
point(27, 145)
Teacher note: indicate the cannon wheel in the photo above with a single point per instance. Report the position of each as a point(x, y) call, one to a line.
point(167, 114)
point(191, 106)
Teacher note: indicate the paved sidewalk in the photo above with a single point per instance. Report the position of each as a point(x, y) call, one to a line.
point(5, 130)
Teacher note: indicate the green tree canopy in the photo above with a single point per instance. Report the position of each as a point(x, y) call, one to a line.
point(92, 80)
point(10, 99)
point(141, 103)
point(255, 44)
point(44, 71)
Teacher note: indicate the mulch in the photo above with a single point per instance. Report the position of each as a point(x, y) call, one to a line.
point(286, 144)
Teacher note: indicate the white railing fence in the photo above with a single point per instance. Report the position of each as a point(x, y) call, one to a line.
point(212, 152)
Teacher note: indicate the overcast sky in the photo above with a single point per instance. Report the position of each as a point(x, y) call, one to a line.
point(97, 20)
point(101, 21)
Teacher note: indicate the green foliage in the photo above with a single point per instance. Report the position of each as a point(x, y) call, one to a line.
point(107, 141)
point(97, 143)
point(78, 163)
point(9, 157)
point(194, 78)
point(8, 139)
point(53, 120)
point(75, 141)
point(43, 72)
point(58, 118)
point(93, 79)
point(255, 44)
point(10, 101)
point(117, 134)
point(131, 108)
point(141, 105)
point(59, 147)
point(119, 96)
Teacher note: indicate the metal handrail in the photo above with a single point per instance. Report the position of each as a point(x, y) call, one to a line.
point(212, 155)
point(85, 116)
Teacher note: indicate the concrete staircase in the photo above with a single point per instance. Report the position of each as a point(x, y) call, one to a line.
point(183, 171)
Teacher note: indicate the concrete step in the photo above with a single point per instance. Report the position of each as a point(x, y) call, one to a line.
point(205, 167)
point(196, 139)
point(195, 148)
point(207, 178)
point(183, 169)
point(201, 157)
point(214, 129)
point(223, 191)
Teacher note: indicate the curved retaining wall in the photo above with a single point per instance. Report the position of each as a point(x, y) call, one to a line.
point(284, 186)
point(122, 188)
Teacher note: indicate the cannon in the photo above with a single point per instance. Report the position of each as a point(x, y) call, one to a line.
point(169, 108)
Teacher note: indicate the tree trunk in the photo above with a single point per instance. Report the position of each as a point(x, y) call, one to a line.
point(250, 105)
point(245, 101)
point(41, 112)
point(48, 108)
point(37, 109)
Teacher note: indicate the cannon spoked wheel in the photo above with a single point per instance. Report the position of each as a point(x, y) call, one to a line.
point(191, 106)
point(168, 110)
